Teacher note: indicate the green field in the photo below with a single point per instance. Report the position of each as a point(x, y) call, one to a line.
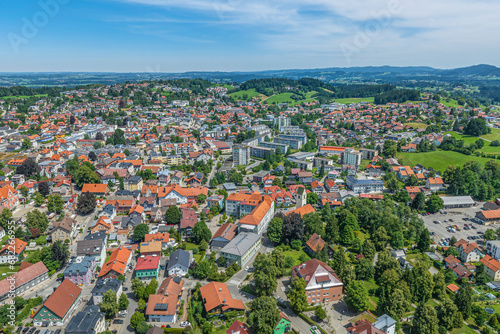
point(494, 135)
point(5, 269)
point(355, 100)
point(22, 96)
point(251, 93)
point(417, 125)
point(470, 139)
point(439, 160)
point(451, 104)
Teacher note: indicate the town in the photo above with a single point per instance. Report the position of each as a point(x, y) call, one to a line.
point(266, 207)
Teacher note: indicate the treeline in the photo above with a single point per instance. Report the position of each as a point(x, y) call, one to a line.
point(397, 96)
point(27, 91)
point(474, 180)
point(273, 86)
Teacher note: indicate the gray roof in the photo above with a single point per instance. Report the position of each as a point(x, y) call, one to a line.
point(89, 247)
point(104, 285)
point(180, 257)
point(229, 186)
point(95, 236)
point(240, 244)
point(133, 179)
point(79, 266)
point(384, 322)
point(457, 200)
point(85, 321)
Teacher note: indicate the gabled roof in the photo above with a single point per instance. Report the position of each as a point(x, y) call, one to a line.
point(94, 188)
point(304, 210)
point(117, 261)
point(19, 246)
point(61, 300)
point(315, 243)
point(147, 262)
point(26, 273)
point(217, 294)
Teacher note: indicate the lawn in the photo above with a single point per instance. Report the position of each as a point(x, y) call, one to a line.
point(464, 330)
point(199, 256)
point(296, 255)
point(355, 100)
point(370, 287)
point(470, 139)
point(451, 104)
point(41, 240)
point(364, 163)
point(494, 135)
point(5, 269)
point(251, 93)
point(417, 125)
point(22, 96)
point(439, 160)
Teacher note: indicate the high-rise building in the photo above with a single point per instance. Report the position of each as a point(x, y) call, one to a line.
point(241, 155)
point(352, 157)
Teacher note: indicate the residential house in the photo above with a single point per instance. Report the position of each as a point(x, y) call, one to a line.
point(9, 197)
point(12, 251)
point(57, 309)
point(81, 270)
point(97, 189)
point(104, 285)
point(147, 267)
point(363, 326)
point(164, 238)
point(89, 321)
point(95, 248)
point(492, 267)
point(117, 263)
point(182, 195)
point(435, 184)
point(165, 306)
point(151, 248)
point(469, 252)
point(317, 187)
point(239, 328)
point(322, 284)
point(64, 229)
point(179, 263)
point(103, 224)
point(217, 299)
point(314, 244)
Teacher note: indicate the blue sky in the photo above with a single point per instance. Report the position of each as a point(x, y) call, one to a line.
point(243, 35)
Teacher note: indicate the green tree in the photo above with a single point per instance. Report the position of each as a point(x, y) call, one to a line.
point(297, 295)
point(463, 300)
point(26, 144)
point(439, 291)
point(418, 202)
point(39, 199)
point(425, 320)
point(446, 313)
point(365, 269)
point(24, 191)
point(109, 305)
point(201, 198)
point(357, 297)
point(369, 250)
point(86, 203)
point(84, 175)
point(38, 220)
point(173, 215)
point(123, 302)
point(275, 230)
point(201, 232)
point(55, 203)
point(140, 232)
point(490, 234)
point(424, 240)
point(312, 198)
point(380, 238)
point(142, 328)
point(423, 284)
point(434, 203)
point(136, 319)
point(264, 315)
point(320, 313)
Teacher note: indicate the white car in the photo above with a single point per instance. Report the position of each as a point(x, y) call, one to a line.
point(185, 324)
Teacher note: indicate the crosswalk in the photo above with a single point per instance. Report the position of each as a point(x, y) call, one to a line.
point(234, 282)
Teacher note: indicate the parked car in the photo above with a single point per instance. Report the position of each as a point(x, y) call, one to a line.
point(185, 324)
point(118, 321)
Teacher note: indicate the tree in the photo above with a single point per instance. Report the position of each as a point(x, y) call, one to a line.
point(434, 203)
point(142, 328)
point(201, 232)
point(140, 232)
point(38, 220)
point(39, 199)
point(97, 145)
point(136, 319)
point(264, 315)
point(380, 238)
point(319, 312)
point(5, 218)
point(357, 297)
point(398, 304)
point(463, 300)
point(490, 234)
point(173, 215)
point(84, 175)
point(44, 189)
point(55, 203)
point(365, 269)
point(313, 224)
point(425, 320)
point(28, 168)
point(99, 136)
point(86, 203)
point(312, 198)
point(109, 305)
point(26, 144)
point(275, 230)
point(418, 202)
point(476, 127)
point(423, 284)
point(141, 304)
point(439, 290)
point(201, 198)
point(369, 250)
point(265, 283)
point(297, 295)
point(293, 227)
point(424, 240)
point(446, 313)
point(24, 191)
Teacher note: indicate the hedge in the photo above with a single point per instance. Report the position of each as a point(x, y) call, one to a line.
point(173, 330)
point(311, 322)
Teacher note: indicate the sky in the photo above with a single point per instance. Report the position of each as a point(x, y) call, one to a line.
point(244, 35)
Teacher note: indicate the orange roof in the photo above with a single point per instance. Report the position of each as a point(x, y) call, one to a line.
point(18, 244)
point(151, 246)
point(315, 243)
point(306, 209)
point(61, 300)
point(97, 188)
point(186, 192)
point(258, 213)
point(217, 294)
point(491, 263)
point(491, 214)
point(163, 237)
point(453, 287)
point(7, 191)
point(117, 261)
point(435, 180)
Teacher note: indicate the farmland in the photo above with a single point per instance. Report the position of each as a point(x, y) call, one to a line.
point(247, 94)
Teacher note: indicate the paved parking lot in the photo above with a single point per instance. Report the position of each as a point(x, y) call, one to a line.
point(457, 216)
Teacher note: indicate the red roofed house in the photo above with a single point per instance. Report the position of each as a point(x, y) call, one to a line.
point(469, 252)
point(147, 267)
point(435, 184)
point(363, 326)
point(492, 267)
point(116, 264)
point(304, 210)
point(217, 299)
point(239, 328)
point(322, 285)
point(9, 196)
point(12, 251)
point(314, 244)
point(57, 309)
point(164, 306)
point(98, 189)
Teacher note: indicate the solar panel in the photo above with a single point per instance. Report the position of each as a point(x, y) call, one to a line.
point(177, 279)
point(161, 307)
